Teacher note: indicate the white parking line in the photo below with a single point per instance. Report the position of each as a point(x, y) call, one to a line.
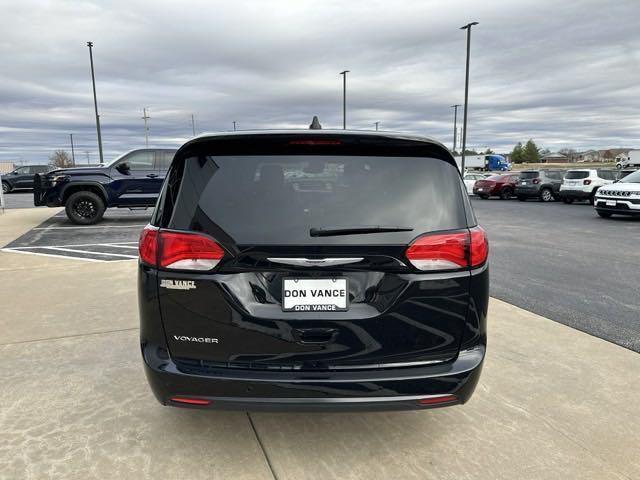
point(105, 226)
point(14, 250)
point(135, 247)
point(114, 244)
point(62, 249)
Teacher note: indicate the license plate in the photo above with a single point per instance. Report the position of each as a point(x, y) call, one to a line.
point(315, 295)
point(610, 203)
point(481, 189)
point(523, 183)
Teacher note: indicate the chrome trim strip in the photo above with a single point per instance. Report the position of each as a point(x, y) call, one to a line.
point(315, 262)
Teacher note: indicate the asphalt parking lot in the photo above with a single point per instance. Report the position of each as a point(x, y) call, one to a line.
point(114, 239)
point(566, 263)
point(76, 403)
point(19, 199)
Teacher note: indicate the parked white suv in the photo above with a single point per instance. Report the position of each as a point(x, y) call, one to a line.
point(582, 184)
point(621, 198)
point(470, 180)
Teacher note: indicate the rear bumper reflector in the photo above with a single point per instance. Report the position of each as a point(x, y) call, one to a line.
point(437, 400)
point(190, 401)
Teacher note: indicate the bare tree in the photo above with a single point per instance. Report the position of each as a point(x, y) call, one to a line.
point(60, 159)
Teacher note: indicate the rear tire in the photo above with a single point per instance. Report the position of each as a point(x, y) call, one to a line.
point(84, 208)
point(506, 193)
point(484, 197)
point(521, 198)
point(546, 195)
point(6, 188)
point(568, 201)
point(592, 198)
point(603, 214)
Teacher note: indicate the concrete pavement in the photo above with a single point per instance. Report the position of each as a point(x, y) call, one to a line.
point(552, 402)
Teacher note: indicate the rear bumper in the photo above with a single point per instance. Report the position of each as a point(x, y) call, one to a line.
point(576, 194)
point(527, 191)
point(388, 389)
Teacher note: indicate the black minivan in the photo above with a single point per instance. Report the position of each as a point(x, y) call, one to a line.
point(316, 269)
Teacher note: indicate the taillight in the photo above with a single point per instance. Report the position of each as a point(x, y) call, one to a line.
point(586, 182)
point(536, 181)
point(449, 251)
point(148, 245)
point(178, 250)
point(479, 248)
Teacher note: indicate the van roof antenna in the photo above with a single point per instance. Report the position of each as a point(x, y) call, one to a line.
point(315, 124)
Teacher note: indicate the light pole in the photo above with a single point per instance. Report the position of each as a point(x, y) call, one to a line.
point(73, 153)
point(193, 124)
point(344, 98)
point(95, 101)
point(455, 124)
point(145, 117)
point(376, 123)
point(234, 125)
point(467, 27)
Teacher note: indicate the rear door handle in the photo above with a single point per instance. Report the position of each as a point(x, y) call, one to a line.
point(152, 175)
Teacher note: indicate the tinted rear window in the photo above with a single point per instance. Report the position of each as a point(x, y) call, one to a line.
point(528, 175)
point(277, 199)
point(574, 174)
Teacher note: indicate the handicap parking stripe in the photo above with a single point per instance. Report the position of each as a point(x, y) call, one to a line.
point(94, 252)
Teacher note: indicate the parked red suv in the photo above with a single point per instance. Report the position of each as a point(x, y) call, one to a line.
point(501, 186)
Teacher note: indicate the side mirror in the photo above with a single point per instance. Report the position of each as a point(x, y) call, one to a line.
point(123, 168)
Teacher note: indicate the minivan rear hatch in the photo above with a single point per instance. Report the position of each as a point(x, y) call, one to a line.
point(314, 274)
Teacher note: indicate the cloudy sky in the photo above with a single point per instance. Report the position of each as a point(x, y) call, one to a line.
point(565, 73)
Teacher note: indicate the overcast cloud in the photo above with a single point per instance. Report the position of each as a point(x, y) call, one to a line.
point(565, 73)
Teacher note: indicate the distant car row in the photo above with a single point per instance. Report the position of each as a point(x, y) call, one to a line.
point(610, 191)
point(22, 177)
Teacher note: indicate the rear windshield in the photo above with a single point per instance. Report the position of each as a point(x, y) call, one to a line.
point(252, 200)
point(576, 174)
point(528, 175)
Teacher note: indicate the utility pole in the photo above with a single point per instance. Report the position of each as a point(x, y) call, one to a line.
point(86, 152)
point(455, 121)
point(376, 123)
point(73, 153)
point(234, 125)
point(467, 27)
point(146, 117)
point(95, 101)
point(344, 98)
point(193, 125)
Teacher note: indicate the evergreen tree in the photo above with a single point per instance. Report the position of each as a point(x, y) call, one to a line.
point(517, 153)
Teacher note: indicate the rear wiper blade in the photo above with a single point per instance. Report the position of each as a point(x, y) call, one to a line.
point(330, 232)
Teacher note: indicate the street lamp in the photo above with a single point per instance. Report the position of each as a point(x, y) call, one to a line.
point(95, 101)
point(467, 27)
point(376, 123)
point(455, 124)
point(344, 98)
point(73, 153)
point(234, 125)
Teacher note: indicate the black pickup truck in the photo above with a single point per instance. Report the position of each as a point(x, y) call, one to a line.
point(132, 180)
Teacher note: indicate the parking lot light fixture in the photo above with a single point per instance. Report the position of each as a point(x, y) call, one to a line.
point(467, 27)
point(95, 101)
point(344, 98)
